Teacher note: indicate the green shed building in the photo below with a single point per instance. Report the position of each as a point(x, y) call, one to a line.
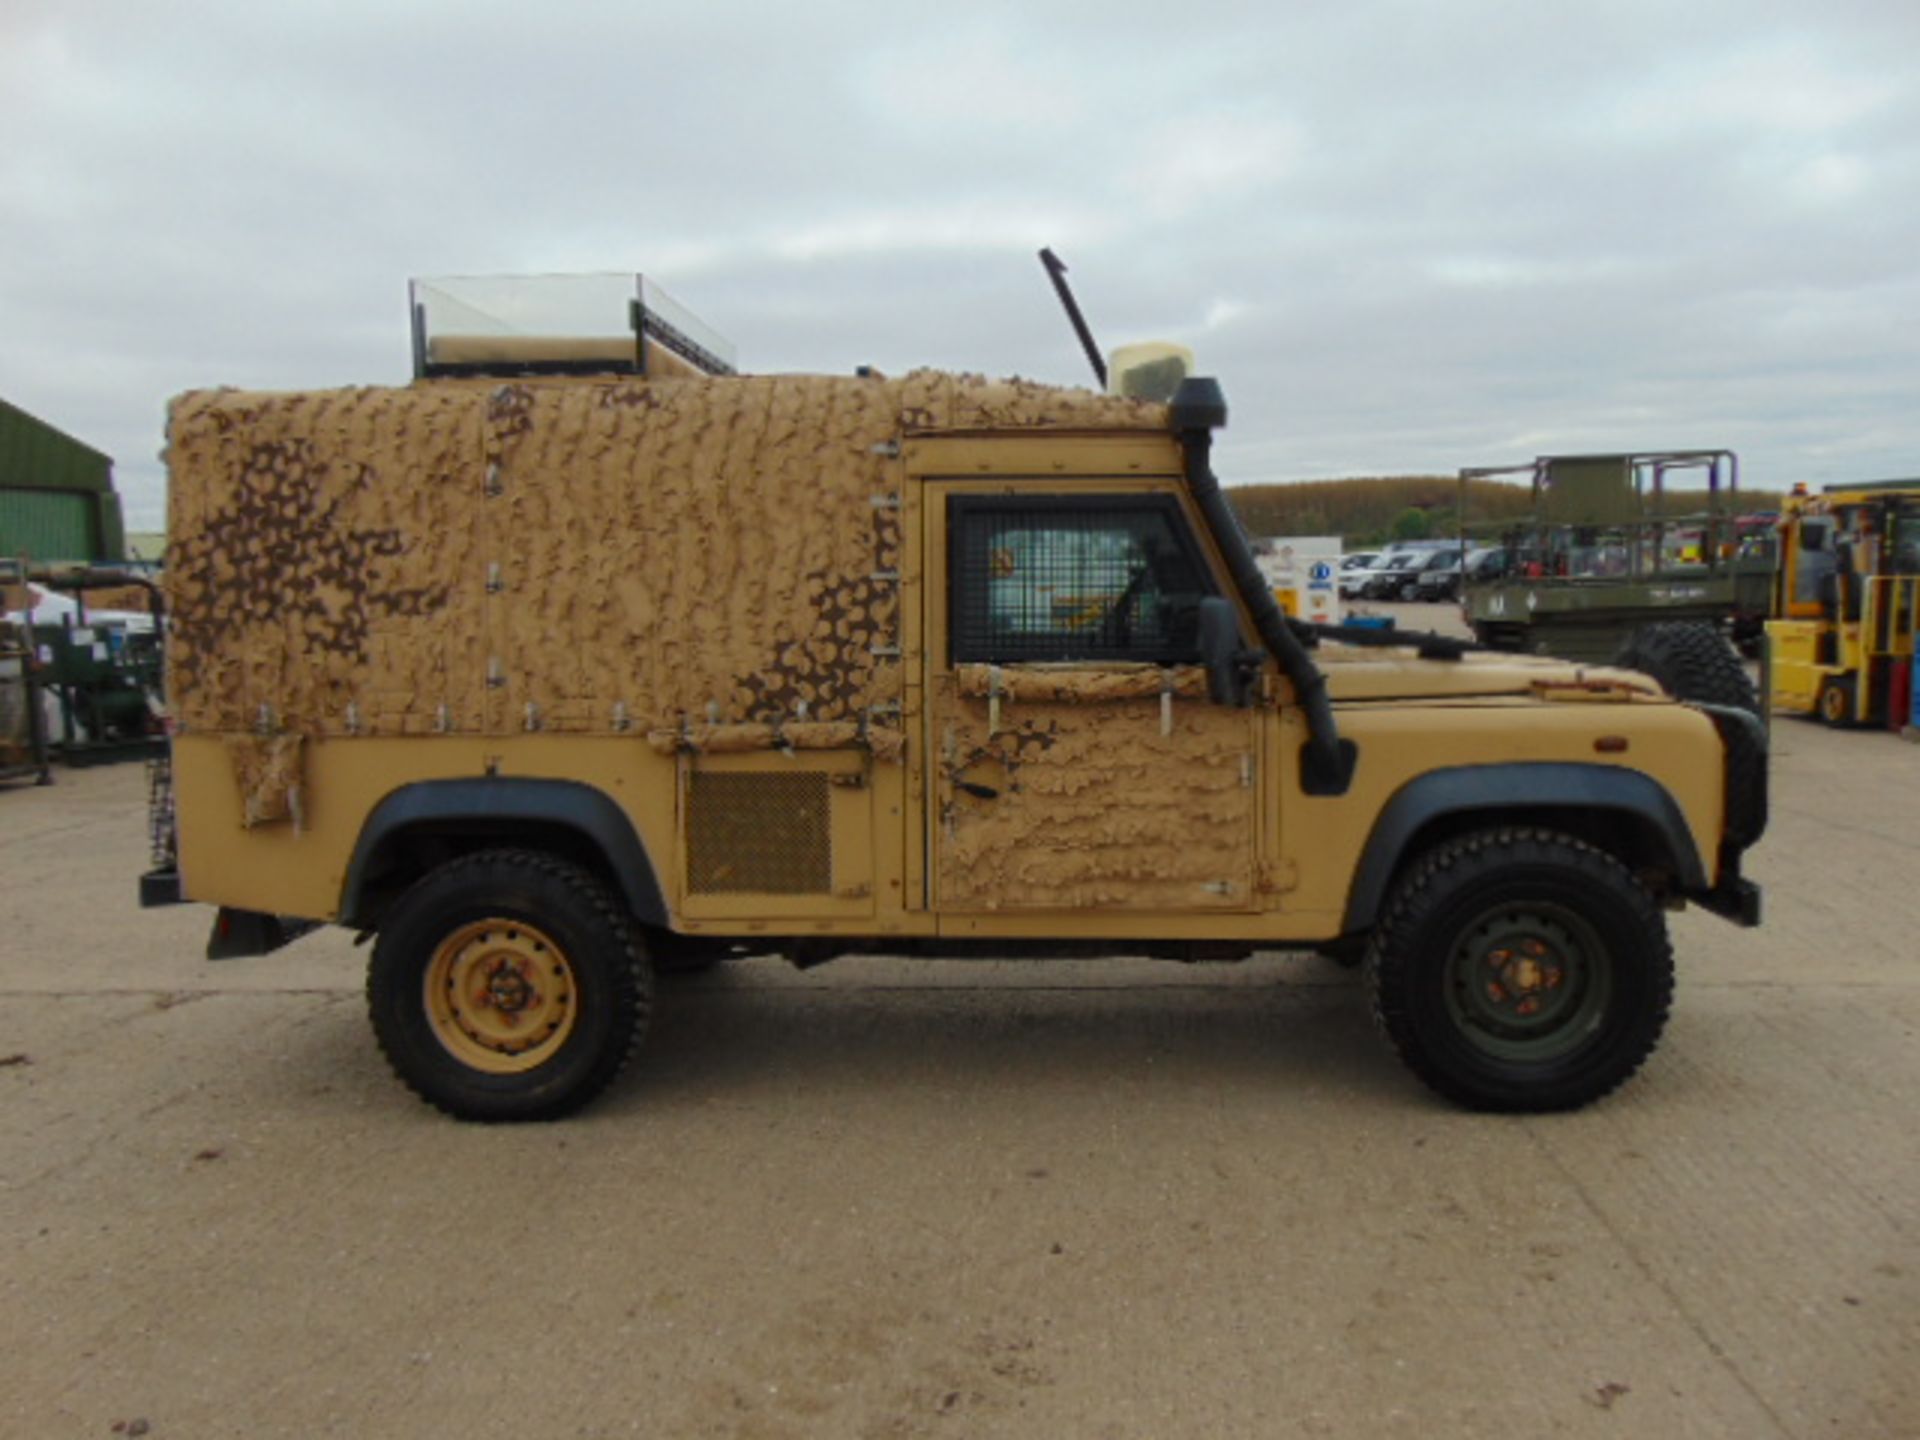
point(57, 501)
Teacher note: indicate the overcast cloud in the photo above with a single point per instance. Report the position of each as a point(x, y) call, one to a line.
point(1407, 236)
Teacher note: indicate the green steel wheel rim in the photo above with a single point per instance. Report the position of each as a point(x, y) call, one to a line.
point(1528, 983)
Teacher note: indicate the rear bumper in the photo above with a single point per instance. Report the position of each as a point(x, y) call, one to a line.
point(161, 887)
point(243, 934)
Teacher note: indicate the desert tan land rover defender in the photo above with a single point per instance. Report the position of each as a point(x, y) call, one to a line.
point(583, 659)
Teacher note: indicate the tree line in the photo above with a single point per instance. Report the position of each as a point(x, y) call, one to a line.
point(1374, 510)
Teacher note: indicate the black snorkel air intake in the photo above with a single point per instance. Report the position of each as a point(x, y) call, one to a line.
point(1326, 762)
point(1197, 410)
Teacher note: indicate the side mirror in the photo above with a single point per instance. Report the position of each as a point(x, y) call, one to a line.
point(1230, 667)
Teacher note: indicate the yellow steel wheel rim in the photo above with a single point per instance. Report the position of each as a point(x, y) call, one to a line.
point(1833, 703)
point(500, 996)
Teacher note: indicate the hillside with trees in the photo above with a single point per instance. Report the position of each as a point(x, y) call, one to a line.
point(1372, 510)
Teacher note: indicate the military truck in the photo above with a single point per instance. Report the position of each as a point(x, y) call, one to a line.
point(1614, 544)
point(581, 660)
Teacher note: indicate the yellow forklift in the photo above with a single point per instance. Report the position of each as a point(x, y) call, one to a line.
point(1846, 603)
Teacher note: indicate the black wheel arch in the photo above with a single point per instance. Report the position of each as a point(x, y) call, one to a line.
point(425, 824)
point(1627, 814)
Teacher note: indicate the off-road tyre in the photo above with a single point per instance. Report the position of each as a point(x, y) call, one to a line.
point(1496, 637)
point(1692, 661)
point(1596, 927)
point(537, 926)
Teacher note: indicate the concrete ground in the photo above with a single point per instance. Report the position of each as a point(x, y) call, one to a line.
point(888, 1199)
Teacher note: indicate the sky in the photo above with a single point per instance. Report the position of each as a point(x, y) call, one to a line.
point(1408, 237)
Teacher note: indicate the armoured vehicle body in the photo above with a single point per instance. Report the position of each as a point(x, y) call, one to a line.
point(558, 680)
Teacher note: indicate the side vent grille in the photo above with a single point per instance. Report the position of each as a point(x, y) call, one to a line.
point(762, 834)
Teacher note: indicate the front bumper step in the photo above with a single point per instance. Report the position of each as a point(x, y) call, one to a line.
point(1735, 900)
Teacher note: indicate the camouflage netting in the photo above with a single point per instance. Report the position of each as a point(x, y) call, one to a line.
point(1081, 684)
point(1120, 815)
point(268, 771)
point(884, 741)
point(571, 556)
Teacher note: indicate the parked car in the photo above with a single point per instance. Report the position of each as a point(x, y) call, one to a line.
point(1487, 564)
point(1442, 567)
point(1439, 580)
point(1443, 582)
point(1355, 583)
point(1395, 581)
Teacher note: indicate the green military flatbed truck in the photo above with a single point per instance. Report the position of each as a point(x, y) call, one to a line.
point(1611, 547)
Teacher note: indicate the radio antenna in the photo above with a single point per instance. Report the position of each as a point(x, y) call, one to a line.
point(1057, 272)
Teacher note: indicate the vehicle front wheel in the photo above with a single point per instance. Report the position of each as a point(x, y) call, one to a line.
point(508, 985)
point(1521, 970)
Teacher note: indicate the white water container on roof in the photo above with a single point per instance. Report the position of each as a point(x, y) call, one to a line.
point(1149, 370)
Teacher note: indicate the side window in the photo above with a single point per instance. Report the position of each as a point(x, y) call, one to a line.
point(1906, 538)
point(1816, 558)
point(1071, 578)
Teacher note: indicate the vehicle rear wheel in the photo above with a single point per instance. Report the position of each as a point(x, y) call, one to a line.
point(508, 985)
point(1692, 661)
point(1521, 970)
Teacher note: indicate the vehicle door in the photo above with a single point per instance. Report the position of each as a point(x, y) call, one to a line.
point(1076, 762)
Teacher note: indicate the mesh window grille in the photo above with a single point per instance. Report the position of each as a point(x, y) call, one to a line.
point(760, 834)
point(1066, 579)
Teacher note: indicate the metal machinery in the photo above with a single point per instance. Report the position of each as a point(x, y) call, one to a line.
point(62, 526)
point(105, 675)
point(1612, 545)
point(1846, 604)
point(23, 734)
